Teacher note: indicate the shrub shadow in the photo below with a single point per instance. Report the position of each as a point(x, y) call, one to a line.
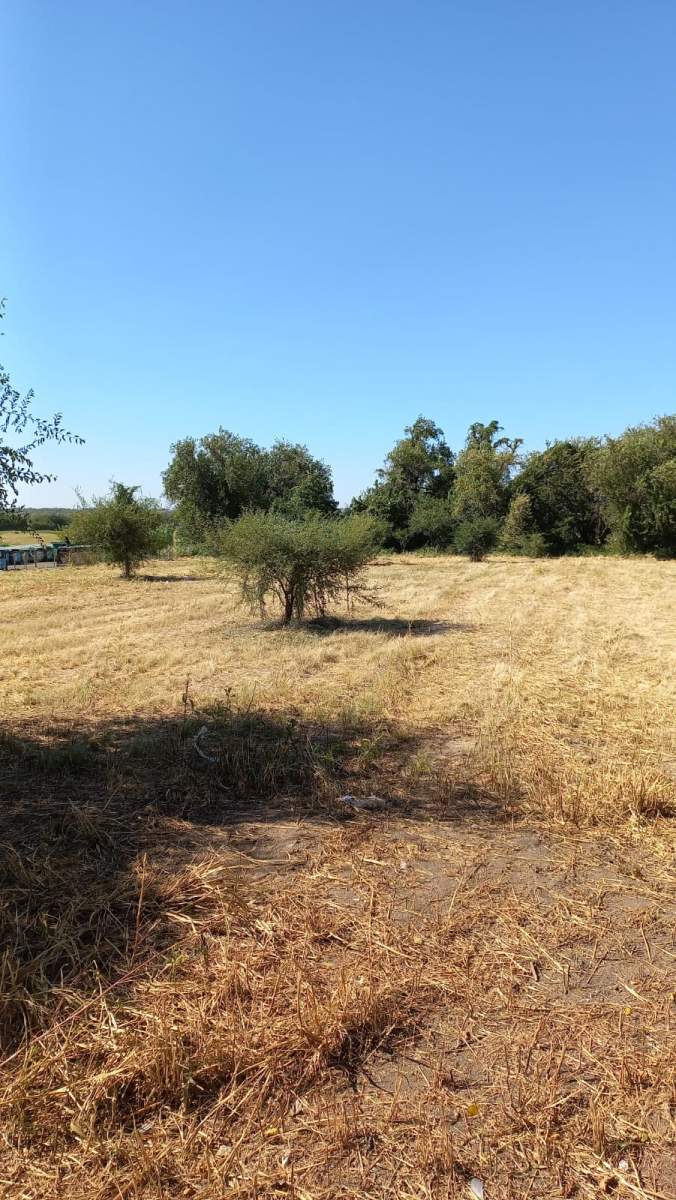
point(168, 578)
point(390, 626)
point(99, 826)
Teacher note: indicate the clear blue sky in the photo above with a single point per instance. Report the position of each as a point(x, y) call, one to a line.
point(317, 220)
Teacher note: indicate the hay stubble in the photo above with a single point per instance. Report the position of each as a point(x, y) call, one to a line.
point(279, 1001)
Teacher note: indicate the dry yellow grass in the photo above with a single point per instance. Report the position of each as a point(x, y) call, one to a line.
point(218, 981)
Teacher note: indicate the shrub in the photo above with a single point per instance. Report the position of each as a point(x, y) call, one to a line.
point(303, 565)
point(475, 538)
point(518, 534)
point(122, 528)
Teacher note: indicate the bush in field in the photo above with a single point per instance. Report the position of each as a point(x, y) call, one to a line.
point(475, 538)
point(303, 565)
point(518, 534)
point(123, 528)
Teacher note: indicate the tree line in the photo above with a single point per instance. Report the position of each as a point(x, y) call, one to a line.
point(28, 519)
point(574, 496)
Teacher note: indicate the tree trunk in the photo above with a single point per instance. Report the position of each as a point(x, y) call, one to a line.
point(288, 608)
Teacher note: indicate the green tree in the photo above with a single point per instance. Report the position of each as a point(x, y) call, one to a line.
point(519, 534)
point(297, 483)
point(18, 424)
point(122, 527)
point(220, 476)
point(212, 479)
point(302, 565)
point(564, 499)
point(419, 466)
point(637, 479)
point(482, 473)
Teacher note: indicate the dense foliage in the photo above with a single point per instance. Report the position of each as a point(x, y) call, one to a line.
point(575, 495)
point(220, 476)
point(302, 565)
point(565, 500)
point(427, 497)
point(417, 471)
point(483, 471)
point(122, 528)
point(637, 479)
point(519, 533)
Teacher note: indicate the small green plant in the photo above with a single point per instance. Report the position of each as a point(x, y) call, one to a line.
point(373, 748)
point(303, 565)
point(477, 537)
point(123, 528)
point(420, 765)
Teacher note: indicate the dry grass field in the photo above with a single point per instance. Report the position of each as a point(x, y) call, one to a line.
point(220, 980)
point(19, 537)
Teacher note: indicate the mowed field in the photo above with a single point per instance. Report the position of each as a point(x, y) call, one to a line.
point(220, 979)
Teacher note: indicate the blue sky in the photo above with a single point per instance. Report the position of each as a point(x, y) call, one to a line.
point(318, 220)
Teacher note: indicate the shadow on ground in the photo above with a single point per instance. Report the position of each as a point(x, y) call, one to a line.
point(393, 627)
point(96, 827)
point(168, 578)
point(390, 626)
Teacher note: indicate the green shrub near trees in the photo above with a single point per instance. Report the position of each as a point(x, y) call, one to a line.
point(476, 537)
point(431, 524)
point(302, 565)
point(123, 528)
point(519, 534)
